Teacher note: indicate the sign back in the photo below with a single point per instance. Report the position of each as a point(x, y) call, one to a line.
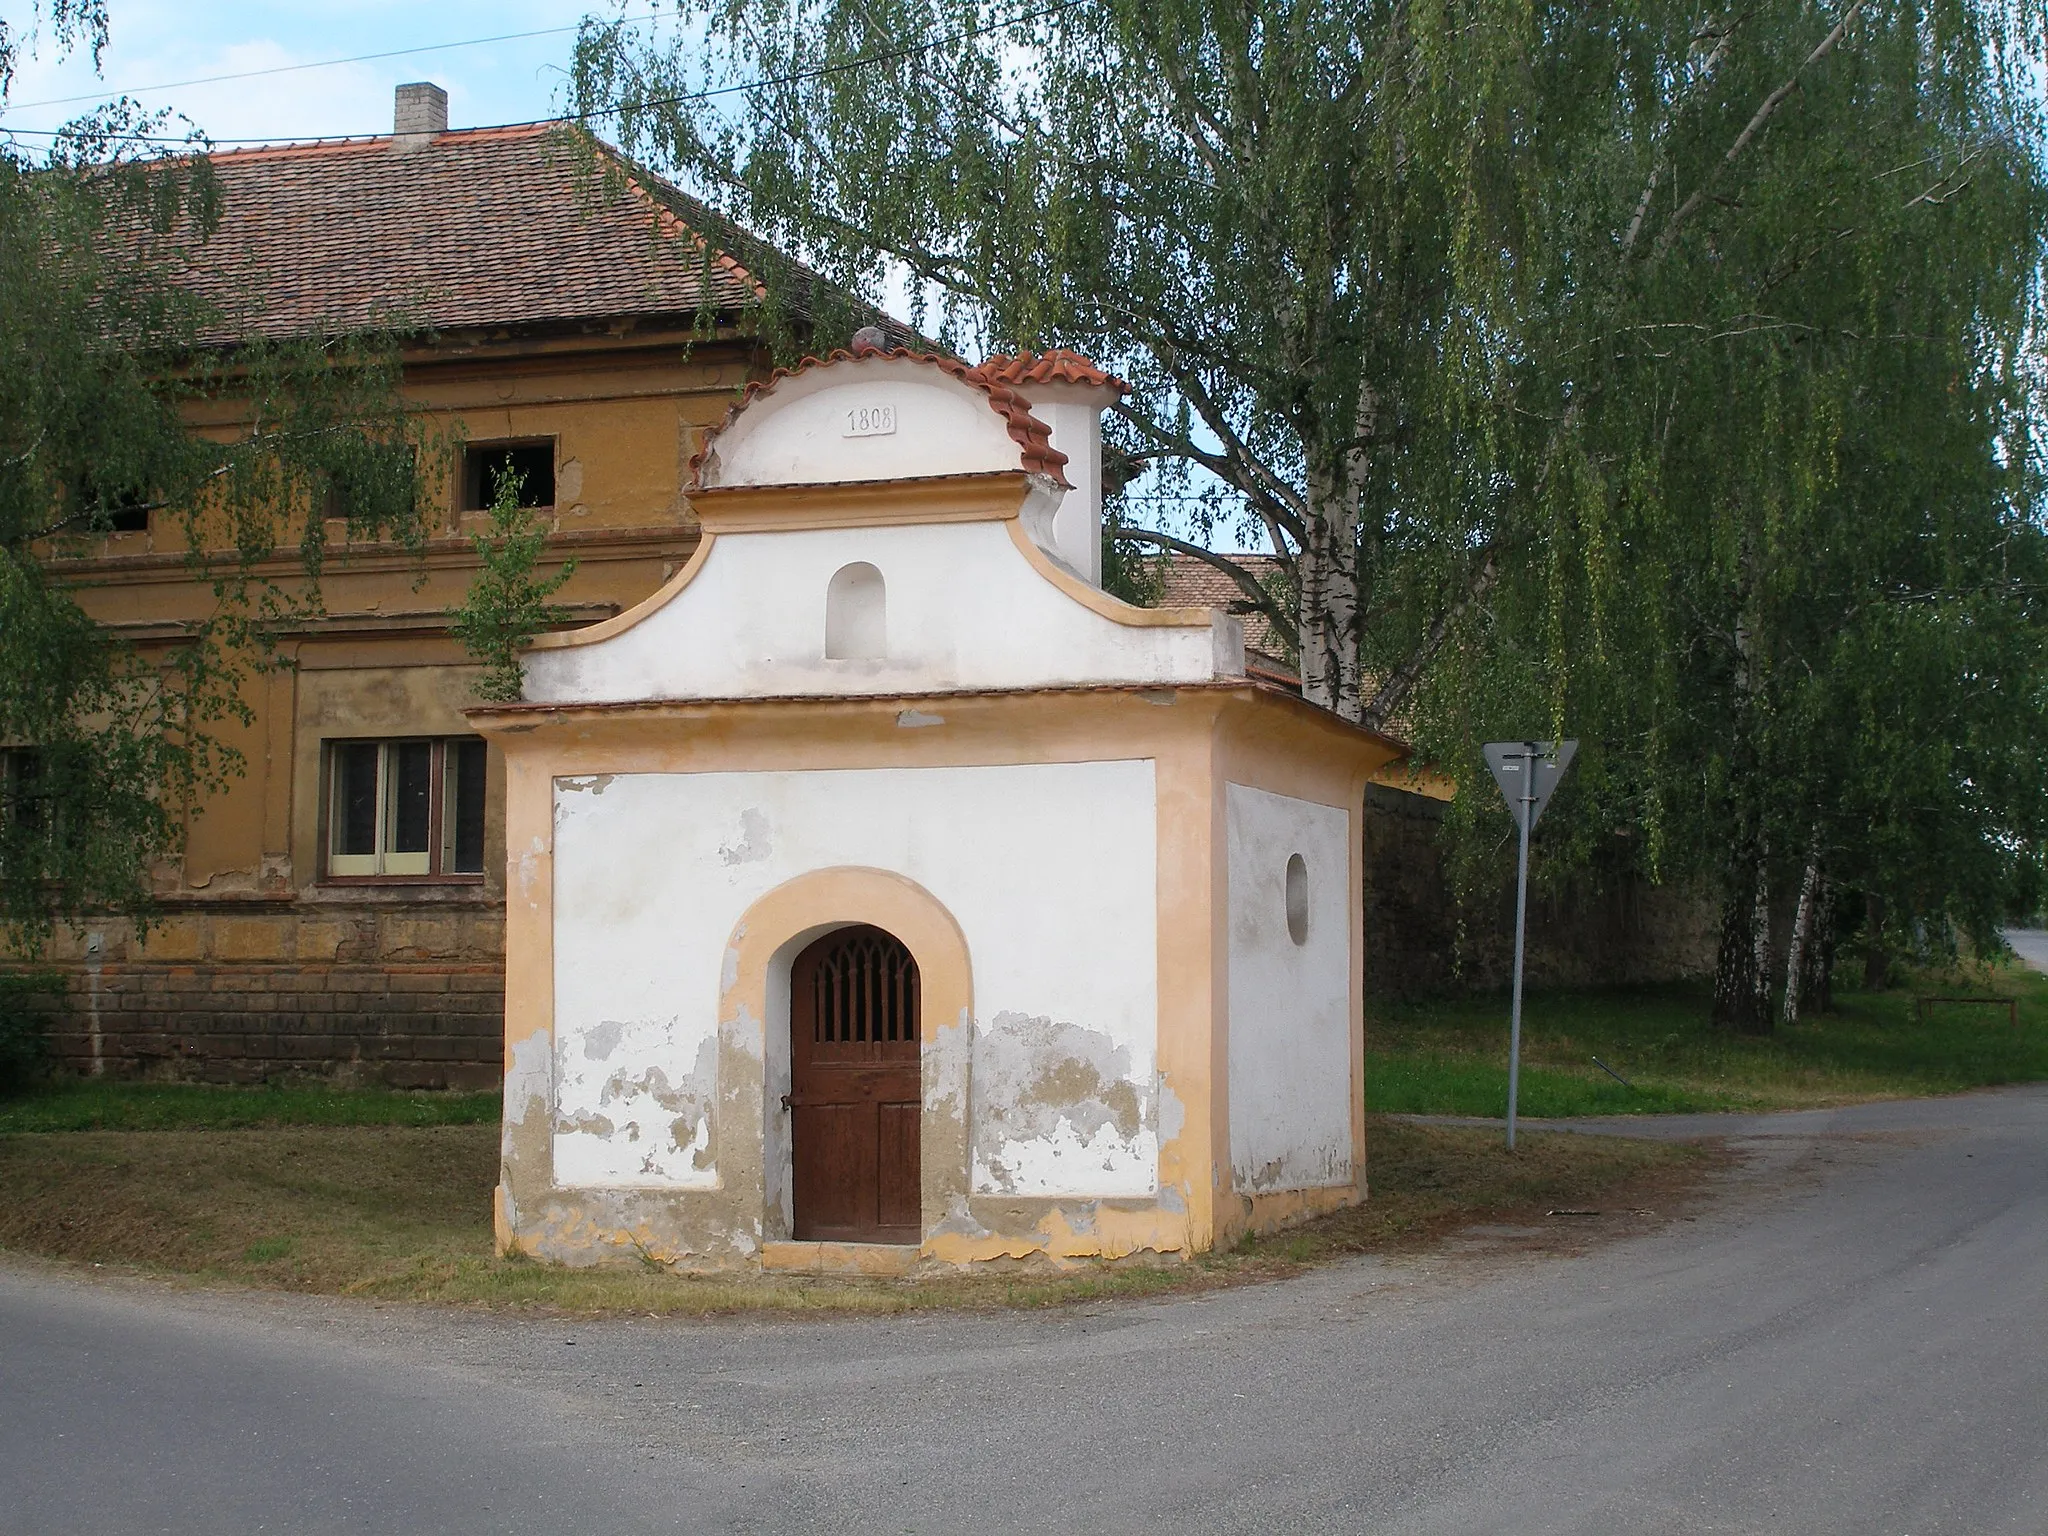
point(1527, 772)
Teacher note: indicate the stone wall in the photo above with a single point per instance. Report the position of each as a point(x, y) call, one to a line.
point(1586, 931)
point(406, 997)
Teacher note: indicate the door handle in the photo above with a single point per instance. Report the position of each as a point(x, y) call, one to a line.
point(786, 1105)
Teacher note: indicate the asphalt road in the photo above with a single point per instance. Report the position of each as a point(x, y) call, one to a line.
point(1850, 1341)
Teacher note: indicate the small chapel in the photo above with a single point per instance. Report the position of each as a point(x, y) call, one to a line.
point(883, 895)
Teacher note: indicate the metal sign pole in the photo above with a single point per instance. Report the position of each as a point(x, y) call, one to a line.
point(1524, 816)
point(1526, 771)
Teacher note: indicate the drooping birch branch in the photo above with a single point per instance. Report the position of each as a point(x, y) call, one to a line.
point(1763, 115)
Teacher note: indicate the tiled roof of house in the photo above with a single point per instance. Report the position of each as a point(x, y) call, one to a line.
point(1190, 582)
point(1193, 583)
point(487, 227)
point(1030, 434)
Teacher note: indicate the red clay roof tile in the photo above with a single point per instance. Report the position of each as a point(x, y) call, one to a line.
point(1059, 366)
point(488, 227)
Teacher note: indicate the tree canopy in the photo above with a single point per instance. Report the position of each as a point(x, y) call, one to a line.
point(1662, 371)
point(107, 364)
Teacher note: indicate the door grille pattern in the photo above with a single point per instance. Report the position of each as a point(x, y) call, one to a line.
point(865, 991)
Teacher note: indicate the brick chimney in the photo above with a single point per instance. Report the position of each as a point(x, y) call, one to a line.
point(422, 112)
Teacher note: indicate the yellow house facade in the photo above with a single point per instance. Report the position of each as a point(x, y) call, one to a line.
point(339, 908)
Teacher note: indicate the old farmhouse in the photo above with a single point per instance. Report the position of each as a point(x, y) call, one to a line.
point(339, 909)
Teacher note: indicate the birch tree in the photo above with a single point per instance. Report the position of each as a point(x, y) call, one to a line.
point(1359, 260)
point(1622, 365)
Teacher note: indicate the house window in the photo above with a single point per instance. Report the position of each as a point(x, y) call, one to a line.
point(531, 464)
point(127, 512)
point(411, 809)
point(110, 508)
point(24, 799)
point(375, 486)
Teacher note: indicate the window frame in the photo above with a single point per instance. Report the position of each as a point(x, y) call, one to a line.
point(441, 828)
point(473, 496)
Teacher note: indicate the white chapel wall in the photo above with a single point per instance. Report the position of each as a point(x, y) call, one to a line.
point(1290, 1001)
point(1054, 888)
point(964, 609)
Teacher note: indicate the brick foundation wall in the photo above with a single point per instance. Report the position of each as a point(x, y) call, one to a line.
point(415, 1026)
point(403, 996)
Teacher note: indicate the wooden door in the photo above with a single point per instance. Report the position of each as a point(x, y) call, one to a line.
point(854, 1092)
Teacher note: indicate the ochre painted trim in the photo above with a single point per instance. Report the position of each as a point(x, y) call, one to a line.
point(845, 894)
point(1289, 1207)
point(1023, 712)
point(1112, 608)
point(618, 623)
point(977, 498)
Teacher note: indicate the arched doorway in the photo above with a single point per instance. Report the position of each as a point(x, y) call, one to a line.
point(855, 1098)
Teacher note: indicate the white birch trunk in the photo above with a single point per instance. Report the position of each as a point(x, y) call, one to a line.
point(1329, 605)
point(1802, 935)
point(1331, 674)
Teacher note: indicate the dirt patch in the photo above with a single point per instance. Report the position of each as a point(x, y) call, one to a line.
point(403, 1214)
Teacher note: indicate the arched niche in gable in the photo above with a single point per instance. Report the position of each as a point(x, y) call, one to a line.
point(856, 614)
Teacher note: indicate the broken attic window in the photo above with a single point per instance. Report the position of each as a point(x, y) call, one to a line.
point(532, 464)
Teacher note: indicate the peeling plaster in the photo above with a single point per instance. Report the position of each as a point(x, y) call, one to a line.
point(529, 1080)
point(752, 845)
point(1059, 1110)
point(959, 1221)
point(623, 1117)
point(524, 1142)
point(946, 1064)
point(911, 719)
point(528, 866)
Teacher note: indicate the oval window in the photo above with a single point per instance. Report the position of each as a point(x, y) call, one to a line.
point(856, 614)
point(1297, 899)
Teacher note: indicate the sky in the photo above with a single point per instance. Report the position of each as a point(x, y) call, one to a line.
point(157, 42)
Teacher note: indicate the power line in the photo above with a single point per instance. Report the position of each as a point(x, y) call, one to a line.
point(823, 71)
point(286, 69)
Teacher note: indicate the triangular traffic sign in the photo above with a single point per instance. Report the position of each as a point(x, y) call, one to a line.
point(1527, 772)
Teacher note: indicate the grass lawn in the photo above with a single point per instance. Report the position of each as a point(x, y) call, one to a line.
point(1451, 1057)
point(402, 1212)
point(79, 1104)
point(388, 1195)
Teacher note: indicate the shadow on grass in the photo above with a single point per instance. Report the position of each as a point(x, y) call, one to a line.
point(76, 1104)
